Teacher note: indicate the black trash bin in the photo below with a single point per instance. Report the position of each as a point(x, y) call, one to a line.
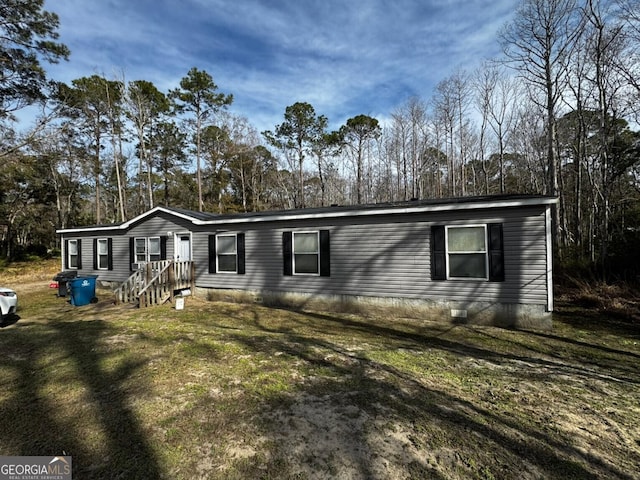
point(63, 278)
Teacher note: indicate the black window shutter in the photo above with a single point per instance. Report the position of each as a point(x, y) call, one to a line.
point(79, 254)
point(496, 253)
point(163, 248)
point(438, 253)
point(65, 266)
point(132, 253)
point(212, 254)
point(109, 253)
point(95, 253)
point(240, 252)
point(287, 253)
point(325, 254)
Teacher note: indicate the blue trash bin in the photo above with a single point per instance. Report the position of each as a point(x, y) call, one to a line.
point(83, 290)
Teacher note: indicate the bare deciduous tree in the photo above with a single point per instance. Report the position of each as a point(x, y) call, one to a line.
point(538, 44)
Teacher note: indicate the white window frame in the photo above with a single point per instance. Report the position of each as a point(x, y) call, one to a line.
point(155, 254)
point(105, 242)
point(235, 254)
point(136, 255)
point(69, 254)
point(317, 253)
point(485, 252)
point(147, 250)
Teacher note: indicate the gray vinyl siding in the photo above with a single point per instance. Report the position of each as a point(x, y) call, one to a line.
point(389, 257)
point(157, 226)
point(377, 256)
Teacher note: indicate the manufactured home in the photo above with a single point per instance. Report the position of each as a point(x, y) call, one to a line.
point(472, 259)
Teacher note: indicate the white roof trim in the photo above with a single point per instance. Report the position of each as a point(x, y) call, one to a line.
point(128, 223)
point(292, 215)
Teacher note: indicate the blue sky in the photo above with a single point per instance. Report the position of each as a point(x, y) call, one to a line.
point(345, 58)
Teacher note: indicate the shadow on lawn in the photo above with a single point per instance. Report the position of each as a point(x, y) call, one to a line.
point(9, 320)
point(606, 357)
point(483, 438)
point(607, 322)
point(34, 425)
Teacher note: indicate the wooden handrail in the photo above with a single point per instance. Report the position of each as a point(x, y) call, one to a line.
point(156, 282)
point(158, 286)
point(128, 291)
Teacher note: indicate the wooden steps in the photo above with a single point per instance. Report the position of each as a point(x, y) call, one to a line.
point(156, 282)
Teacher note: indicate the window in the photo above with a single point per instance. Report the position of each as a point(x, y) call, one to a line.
point(141, 250)
point(73, 254)
point(147, 249)
point(154, 249)
point(306, 253)
point(467, 252)
point(102, 254)
point(226, 253)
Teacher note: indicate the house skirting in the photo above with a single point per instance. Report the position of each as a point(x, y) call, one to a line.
point(522, 316)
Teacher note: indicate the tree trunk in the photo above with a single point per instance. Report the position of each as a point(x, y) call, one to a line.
point(198, 153)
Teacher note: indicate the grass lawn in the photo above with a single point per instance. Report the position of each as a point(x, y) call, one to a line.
point(242, 391)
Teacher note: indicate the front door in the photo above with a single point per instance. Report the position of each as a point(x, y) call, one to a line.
point(184, 247)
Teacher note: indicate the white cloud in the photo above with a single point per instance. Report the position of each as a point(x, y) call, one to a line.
point(345, 58)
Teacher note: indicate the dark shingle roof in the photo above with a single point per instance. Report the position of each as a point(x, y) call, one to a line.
point(381, 206)
point(338, 210)
point(204, 216)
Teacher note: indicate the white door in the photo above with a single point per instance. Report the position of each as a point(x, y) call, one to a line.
point(184, 247)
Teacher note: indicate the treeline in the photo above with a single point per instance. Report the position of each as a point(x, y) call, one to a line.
point(557, 114)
